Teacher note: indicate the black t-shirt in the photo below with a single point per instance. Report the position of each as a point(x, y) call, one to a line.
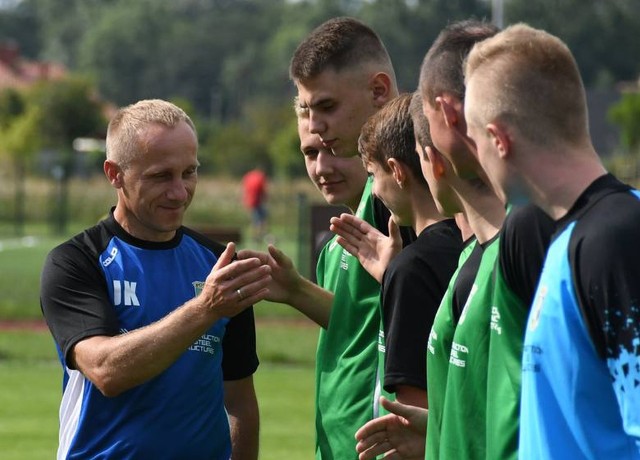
point(412, 289)
point(464, 280)
point(524, 240)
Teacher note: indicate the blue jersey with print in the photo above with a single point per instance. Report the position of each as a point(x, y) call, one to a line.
point(178, 414)
point(581, 399)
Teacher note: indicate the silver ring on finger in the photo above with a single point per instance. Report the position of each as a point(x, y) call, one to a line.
point(240, 296)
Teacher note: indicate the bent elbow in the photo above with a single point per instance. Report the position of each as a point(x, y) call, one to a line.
point(107, 384)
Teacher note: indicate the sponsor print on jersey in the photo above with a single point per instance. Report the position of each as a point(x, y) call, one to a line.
point(433, 337)
point(344, 263)
point(381, 345)
point(207, 343)
point(530, 358)
point(458, 356)
point(495, 320)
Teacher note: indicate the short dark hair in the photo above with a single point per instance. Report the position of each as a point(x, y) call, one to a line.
point(388, 133)
point(337, 44)
point(420, 122)
point(442, 67)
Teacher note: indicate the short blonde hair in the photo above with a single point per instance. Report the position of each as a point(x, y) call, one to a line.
point(124, 129)
point(301, 112)
point(529, 79)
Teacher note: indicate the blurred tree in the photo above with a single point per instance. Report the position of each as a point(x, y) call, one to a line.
point(601, 34)
point(285, 153)
point(62, 25)
point(18, 142)
point(408, 29)
point(228, 57)
point(20, 26)
point(626, 114)
point(59, 112)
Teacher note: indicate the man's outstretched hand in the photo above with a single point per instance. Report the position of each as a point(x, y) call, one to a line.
point(399, 435)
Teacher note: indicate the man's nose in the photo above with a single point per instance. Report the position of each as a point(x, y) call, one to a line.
point(317, 123)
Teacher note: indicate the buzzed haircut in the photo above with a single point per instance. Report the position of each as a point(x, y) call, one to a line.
point(389, 134)
point(530, 79)
point(441, 70)
point(338, 44)
point(420, 122)
point(124, 128)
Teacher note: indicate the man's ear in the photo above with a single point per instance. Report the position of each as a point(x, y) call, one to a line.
point(448, 111)
point(380, 85)
point(113, 173)
point(500, 139)
point(398, 171)
point(436, 162)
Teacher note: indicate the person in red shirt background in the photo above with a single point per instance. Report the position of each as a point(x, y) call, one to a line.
point(254, 186)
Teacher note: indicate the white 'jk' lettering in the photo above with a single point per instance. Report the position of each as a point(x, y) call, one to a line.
point(130, 297)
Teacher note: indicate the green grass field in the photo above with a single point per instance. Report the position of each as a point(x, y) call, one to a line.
point(30, 375)
point(30, 390)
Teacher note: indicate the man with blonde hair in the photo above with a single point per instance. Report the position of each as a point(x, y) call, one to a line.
point(526, 110)
point(152, 321)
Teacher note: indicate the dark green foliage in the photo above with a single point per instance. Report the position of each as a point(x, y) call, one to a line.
point(626, 114)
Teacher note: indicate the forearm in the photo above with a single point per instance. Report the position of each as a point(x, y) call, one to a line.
point(244, 419)
point(411, 396)
point(313, 301)
point(116, 364)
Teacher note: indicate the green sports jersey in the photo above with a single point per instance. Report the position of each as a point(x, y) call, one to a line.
point(524, 239)
point(347, 355)
point(438, 350)
point(463, 434)
point(380, 391)
point(508, 322)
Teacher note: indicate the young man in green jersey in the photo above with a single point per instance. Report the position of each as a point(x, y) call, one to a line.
point(343, 74)
point(523, 241)
point(414, 280)
point(458, 347)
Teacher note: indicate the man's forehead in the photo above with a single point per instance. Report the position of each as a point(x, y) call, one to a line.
point(308, 140)
point(325, 87)
point(313, 97)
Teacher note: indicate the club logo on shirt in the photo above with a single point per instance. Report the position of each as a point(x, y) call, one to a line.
point(197, 287)
point(536, 311)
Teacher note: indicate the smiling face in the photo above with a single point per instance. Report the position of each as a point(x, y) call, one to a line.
point(158, 184)
point(338, 104)
point(340, 180)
